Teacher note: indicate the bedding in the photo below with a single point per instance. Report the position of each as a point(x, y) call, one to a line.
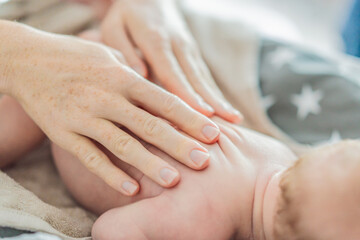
point(313, 98)
point(10, 232)
point(30, 236)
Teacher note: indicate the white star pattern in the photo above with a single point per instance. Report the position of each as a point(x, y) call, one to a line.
point(334, 138)
point(268, 101)
point(281, 56)
point(307, 102)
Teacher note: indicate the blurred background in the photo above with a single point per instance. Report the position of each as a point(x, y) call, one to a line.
point(315, 23)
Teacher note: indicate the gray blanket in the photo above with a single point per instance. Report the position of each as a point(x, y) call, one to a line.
point(313, 98)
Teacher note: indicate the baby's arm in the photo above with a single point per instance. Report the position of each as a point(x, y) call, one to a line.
point(18, 133)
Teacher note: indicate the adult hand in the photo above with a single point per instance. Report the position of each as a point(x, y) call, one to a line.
point(78, 92)
point(158, 30)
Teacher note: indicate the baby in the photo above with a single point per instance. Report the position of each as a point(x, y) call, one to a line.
point(247, 192)
point(234, 198)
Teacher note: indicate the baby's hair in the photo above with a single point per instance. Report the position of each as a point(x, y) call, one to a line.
point(287, 217)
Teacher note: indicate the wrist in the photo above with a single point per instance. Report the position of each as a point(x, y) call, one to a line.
point(9, 37)
point(16, 55)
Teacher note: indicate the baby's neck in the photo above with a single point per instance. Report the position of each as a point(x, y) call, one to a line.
point(263, 205)
point(265, 199)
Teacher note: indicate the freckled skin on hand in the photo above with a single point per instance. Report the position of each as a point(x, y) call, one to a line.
point(79, 92)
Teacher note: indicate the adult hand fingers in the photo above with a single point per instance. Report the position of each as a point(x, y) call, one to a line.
point(170, 107)
point(131, 151)
point(119, 40)
point(160, 134)
point(201, 80)
point(98, 163)
point(159, 55)
point(119, 56)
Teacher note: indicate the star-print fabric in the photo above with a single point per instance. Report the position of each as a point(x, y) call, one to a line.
point(313, 99)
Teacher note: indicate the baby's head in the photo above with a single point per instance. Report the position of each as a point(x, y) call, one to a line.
point(320, 196)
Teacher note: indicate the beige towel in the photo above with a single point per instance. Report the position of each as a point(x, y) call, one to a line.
point(34, 209)
point(32, 196)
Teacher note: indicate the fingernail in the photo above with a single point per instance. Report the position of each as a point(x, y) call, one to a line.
point(238, 114)
point(138, 69)
point(168, 175)
point(228, 107)
point(206, 106)
point(199, 157)
point(129, 187)
point(210, 132)
point(232, 110)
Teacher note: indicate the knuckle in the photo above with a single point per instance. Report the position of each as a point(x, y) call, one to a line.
point(123, 144)
point(118, 54)
point(92, 161)
point(158, 38)
point(138, 87)
point(172, 104)
point(147, 165)
point(183, 143)
point(199, 84)
point(153, 127)
point(156, 35)
point(194, 120)
point(150, 165)
point(185, 44)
